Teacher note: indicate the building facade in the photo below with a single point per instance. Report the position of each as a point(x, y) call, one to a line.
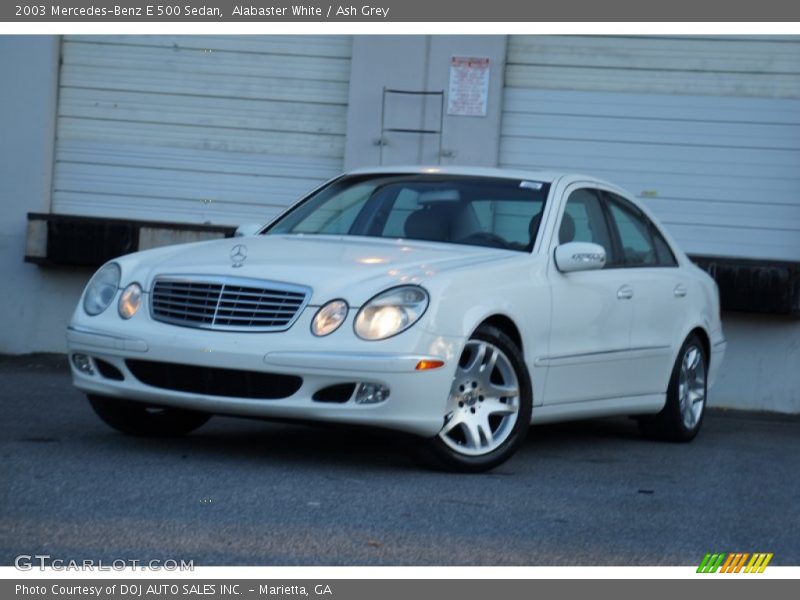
point(117, 143)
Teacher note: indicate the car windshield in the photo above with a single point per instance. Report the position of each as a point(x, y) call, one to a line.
point(477, 211)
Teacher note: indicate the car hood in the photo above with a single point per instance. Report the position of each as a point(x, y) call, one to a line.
point(332, 266)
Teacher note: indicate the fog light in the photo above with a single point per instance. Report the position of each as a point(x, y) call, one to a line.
point(371, 393)
point(83, 363)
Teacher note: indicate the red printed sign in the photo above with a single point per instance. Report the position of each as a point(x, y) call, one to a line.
point(469, 86)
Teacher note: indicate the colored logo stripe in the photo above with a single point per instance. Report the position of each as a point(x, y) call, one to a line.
point(735, 562)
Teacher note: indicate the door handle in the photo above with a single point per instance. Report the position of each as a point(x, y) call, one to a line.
point(680, 291)
point(625, 293)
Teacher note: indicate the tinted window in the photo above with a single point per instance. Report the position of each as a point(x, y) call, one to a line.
point(663, 252)
point(479, 211)
point(509, 219)
point(584, 221)
point(642, 244)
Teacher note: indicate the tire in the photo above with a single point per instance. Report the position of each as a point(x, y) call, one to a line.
point(682, 415)
point(488, 412)
point(136, 418)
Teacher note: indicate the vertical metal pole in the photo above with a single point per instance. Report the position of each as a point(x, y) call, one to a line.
point(441, 124)
point(383, 128)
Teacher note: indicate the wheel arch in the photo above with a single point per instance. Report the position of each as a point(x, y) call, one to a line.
point(507, 326)
point(705, 339)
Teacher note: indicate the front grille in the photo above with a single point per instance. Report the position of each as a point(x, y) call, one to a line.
point(227, 303)
point(232, 383)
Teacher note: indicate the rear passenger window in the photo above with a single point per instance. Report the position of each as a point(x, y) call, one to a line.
point(665, 256)
point(642, 244)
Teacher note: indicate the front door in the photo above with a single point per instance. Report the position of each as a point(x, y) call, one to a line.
point(592, 312)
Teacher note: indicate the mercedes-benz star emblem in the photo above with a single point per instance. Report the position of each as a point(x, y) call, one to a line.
point(238, 255)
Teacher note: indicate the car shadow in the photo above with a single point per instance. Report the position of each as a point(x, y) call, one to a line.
point(242, 441)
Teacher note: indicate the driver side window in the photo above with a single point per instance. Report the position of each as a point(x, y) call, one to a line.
point(584, 221)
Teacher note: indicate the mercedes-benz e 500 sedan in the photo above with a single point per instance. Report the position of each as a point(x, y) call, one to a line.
point(459, 305)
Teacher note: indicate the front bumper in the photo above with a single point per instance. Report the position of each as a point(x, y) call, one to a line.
point(415, 404)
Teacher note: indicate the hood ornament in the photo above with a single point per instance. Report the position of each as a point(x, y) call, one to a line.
point(238, 255)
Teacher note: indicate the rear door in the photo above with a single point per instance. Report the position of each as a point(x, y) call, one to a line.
point(659, 302)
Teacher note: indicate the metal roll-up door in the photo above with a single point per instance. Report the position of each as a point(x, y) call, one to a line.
point(197, 129)
point(706, 129)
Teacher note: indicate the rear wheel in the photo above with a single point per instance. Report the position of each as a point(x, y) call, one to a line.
point(682, 415)
point(136, 418)
point(488, 410)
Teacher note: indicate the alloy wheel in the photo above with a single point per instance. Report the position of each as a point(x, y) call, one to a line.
point(484, 401)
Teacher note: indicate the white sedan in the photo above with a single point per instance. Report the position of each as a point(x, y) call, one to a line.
point(456, 304)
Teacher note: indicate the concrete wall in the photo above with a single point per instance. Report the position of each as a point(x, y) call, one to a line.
point(35, 304)
point(762, 364)
point(420, 63)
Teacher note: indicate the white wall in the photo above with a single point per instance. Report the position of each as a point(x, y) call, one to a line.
point(762, 365)
point(420, 63)
point(198, 129)
point(35, 304)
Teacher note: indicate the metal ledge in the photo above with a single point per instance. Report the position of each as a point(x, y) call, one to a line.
point(755, 286)
point(72, 240)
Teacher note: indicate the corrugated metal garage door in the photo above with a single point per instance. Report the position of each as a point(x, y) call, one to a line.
point(198, 129)
point(708, 130)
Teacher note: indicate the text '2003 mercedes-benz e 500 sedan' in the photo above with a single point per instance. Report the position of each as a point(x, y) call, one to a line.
point(459, 305)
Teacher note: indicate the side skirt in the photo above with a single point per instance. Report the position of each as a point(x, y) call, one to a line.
point(608, 407)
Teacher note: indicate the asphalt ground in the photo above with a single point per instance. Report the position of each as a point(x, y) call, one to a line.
point(239, 492)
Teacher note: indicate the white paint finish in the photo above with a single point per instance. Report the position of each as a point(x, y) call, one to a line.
point(420, 63)
point(722, 172)
point(190, 129)
point(587, 320)
point(586, 377)
point(760, 370)
point(587, 363)
point(36, 303)
point(663, 65)
point(635, 405)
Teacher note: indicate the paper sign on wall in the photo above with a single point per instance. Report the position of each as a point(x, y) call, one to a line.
point(469, 86)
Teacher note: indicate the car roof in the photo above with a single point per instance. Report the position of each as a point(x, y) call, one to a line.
point(533, 175)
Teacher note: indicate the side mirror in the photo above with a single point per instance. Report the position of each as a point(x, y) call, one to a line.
point(247, 229)
point(580, 256)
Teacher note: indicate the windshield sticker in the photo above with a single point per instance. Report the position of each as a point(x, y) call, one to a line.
point(531, 185)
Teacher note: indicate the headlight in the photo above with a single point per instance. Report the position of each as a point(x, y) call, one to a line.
point(329, 317)
point(130, 300)
point(391, 312)
point(101, 289)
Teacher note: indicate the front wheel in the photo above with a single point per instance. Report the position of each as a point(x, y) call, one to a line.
point(682, 415)
point(488, 410)
point(136, 418)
